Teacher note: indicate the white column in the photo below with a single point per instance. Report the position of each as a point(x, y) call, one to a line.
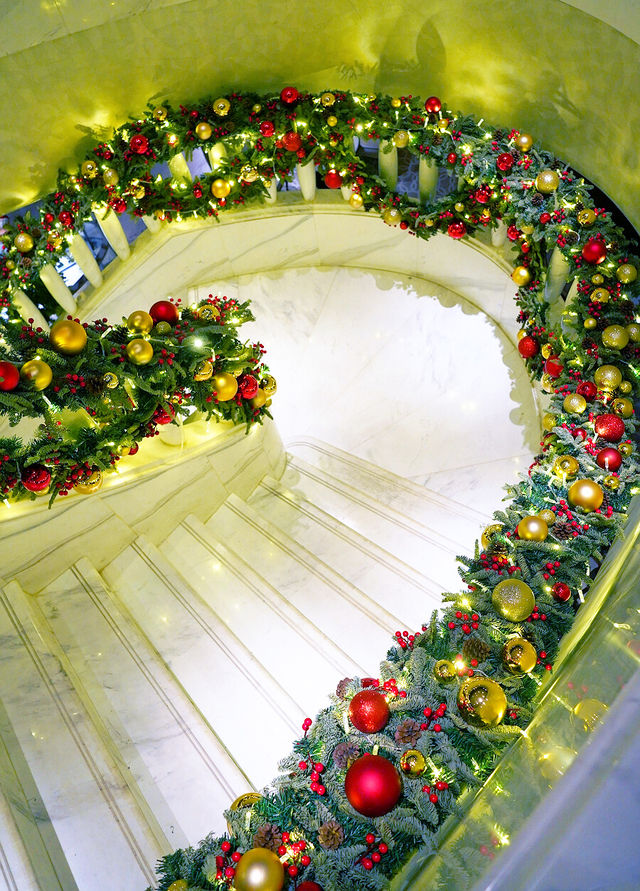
point(81, 253)
point(28, 310)
point(153, 224)
point(557, 273)
point(217, 153)
point(179, 168)
point(427, 179)
point(499, 234)
point(307, 179)
point(272, 189)
point(346, 191)
point(55, 285)
point(388, 163)
point(113, 231)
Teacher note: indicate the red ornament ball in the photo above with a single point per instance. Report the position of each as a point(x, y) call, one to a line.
point(372, 785)
point(452, 158)
point(588, 390)
point(164, 311)
point(504, 162)
point(66, 218)
point(594, 251)
point(561, 592)
point(267, 128)
point(138, 144)
point(482, 195)
point(309, 886)
point(36, 478)
point(553, 367)
point(292, 141)
point(333, 180)
point(528, 347)
point(134, 448)
point(433, 105)
point(9, 376)
point(457, 229)
point(368, 711)
point(610, 427)
point(164, 416)
point(289, 95)
point(609, 459)
point(513, 233)
point(248, 386)
point(545, 218)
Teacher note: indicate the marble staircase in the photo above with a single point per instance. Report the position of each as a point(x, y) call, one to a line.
point(132, 693)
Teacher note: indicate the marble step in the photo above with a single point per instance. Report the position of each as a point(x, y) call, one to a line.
point(176, 767)
point(422, 547)
point(343, 612)
point(395, 585)
point(451, 519)
point(16, 871)
point(228, 685)
point(294, 648)
point(89, 823)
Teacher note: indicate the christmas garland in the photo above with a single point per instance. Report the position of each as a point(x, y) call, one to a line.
point(379, 771)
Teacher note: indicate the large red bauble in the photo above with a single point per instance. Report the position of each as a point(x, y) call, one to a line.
point(289, 95)
point(457, 229)
point(504, 162)
point(594, 251)
point(433, 105)
point(309, 886)
point(609, 459)
point(588, 390)
point(610, 427)
point(553, 367)
point(528, 347)
point(368, 711)
point(9, 376)
point(292, 141)
point(36, 478)
point(333, 180)
point(372, 785)
point(164, 311)
point(561, 592)
point(267, 128)
point(248, 386)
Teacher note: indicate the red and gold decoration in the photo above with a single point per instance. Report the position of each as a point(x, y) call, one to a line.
point(225, 386)
point(90, 484)
point(610, 427)
point(372, 786)
point(368, 711)
point(36, 478)
point(9, 376)
point(413, 763)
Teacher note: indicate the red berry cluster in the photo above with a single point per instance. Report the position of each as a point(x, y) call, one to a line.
point(536, 614)
point(542, 655)
point(497, 562)
point(31, 333)
point(468, 622)
point(317, 769)
point(405, 639)
point(294, 851)
point(391, 686)
point(550, 568)
point(431, 715)
point(224, 869)
point(440, 786)
point(461, 667)
point(374, 853)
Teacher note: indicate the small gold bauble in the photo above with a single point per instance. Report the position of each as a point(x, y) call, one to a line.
point(489, 534)
point(395, 103)
point(249, 174)
point(162, 327)
point(600, 295)
point(547, 181)
point(220, 188)
point(548, 516)
point(521, 276)
point(160, 113)
point(574, 404)
point(256, 109)
point(532, 528)
point(327, 99)
point(522, 333)
point(269, 385)
point(139, 351)
point(549, 422)
point(444, 671)
point(590, 323)
point(204, 130)
point(110, 380)
point(68, 337)
point(458, 206)
point(442, 123)
point(401, 139)
point(622, 407)
point(547, 383)
point(140, 322)
point(137, 189)
point(626, 273)
point(225, 386)
point(625, 449)
point(333, 141)
point(332, 120)
point(625, 387)
point(633, 330)
point(110, 177)
point(590, 712)
point(586, 494)
point(513, 599)
point(597, 279)
point(10, 264)
point(259, 399)
point(586, 217)
point(259, 870)
point(179, 885)
point(37, 373)
point(221, 107)
point(89, 169)
point(392, 216)
point(208, 312)
point(356, 200)
point(89, 485)
point(519, 655)
point(608, 376)
point(23, 242)
point(203, 370)
point(611, 482)
point(615, 337)
point(413, 763)
point(527, 228)
point(247, 799)
point(482, 702)
point(566, 466)
point(524, 142)
point(547, 350)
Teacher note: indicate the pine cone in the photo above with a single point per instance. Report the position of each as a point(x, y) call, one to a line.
point(562, 530)
point(537, 199)
point(474, 648)
point(345, 754)
point(268, 836)
point(342, 687)
point(119, 334)
point(437, 139)
point(331, 835)
point(95, 385)
point(408, 732)
point(571, 237)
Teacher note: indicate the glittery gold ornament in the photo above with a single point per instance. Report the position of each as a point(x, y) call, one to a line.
point(566, 466)
point(221, 107)
point(615, 337)
point(523, 142)
point(220, 188)
point(160, 113)
point(600, 295)
point(37, 373)
point(633, 330)
point(110, 177)
point(139, 351)
point(625, 449)
point(482, 702)
point(140, 322)
point(586, 494)
point(590, 713)
point(442, 123)
point(413, 763)
point(259, 870)
point(521, 276)
point(401, 139)
point(574, 404)
point(487, 538)
point(444, 671)
point(395, 103)
point(513, 599)
point(208, 312)
point(249, 174)
point(548, 516)
point(626, 387)
point(23, 242)
point(547, 181)
point(519, 655)
point(259, 399)
point(269, 385)
point(332, 120)
point(90, 485)
point(597, 279)
point(626, 273)
point(137, 189)
point(89, 169)
point(356, 200)
point(392, 216)
point(225, 386)
point(590, 323)
point(622, 407)
point(549, 421)
point(532, 528)
point(68, 337)
point(327, 99)
point(203, 370)
point(586, 217)
point(204, 130)
point(162, 327)
point(611, 482)
point(608, 376)
point(110, 380)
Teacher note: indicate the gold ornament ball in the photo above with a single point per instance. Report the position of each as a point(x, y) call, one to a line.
point(522, 333)
point(532, 528)
point(259, 870)
point(549, 422)
point(622, 407)
point(600, 295)
point(356, 200)
point(110, 177)
point(68, 337)
point(413, 763)
point(37, 373)
point(590, 323)
point(110, 380)
point(208, 312)
point(547, 383)
point(259, 399)
point(123, 450)
point(574, 404)
point(547, 350)
point(23, 242)
point(548, 516)
point(392, 216)
point(523, 142)
point(590, 712)
point(615, 337)
point(566, 466)
point(10, 264)
point(225, 386)
point(519, 655)
point(625, 449)
point(249, 174)
point(486, 539)
point(527, 228)
point(626, 387)
point(247, 799)
point(139, 351)
point(220, 188)
point(160, 113)
point(633, 330)
point(611, 482)
point(459, 206)
point(482, 702)
point(401, 139)
point(256, 109)
point(626, 273)
point(442, 123)
point(89, 169)
point(521, 276)
point(221, 107)
point(140, 322)
point(608, 376)
point(204, 130)
point(586, 217)
point(586, 494)
point(327, 99)
point(269, 385)
point(547, 181)
point(444, 671)
point(137, 189)
point(513, 600)
point(162, 328)
point(203, 370)
point(89, 485)
point(179, 885)
point(395, 103)
point(597, 279)
point(332, 120)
